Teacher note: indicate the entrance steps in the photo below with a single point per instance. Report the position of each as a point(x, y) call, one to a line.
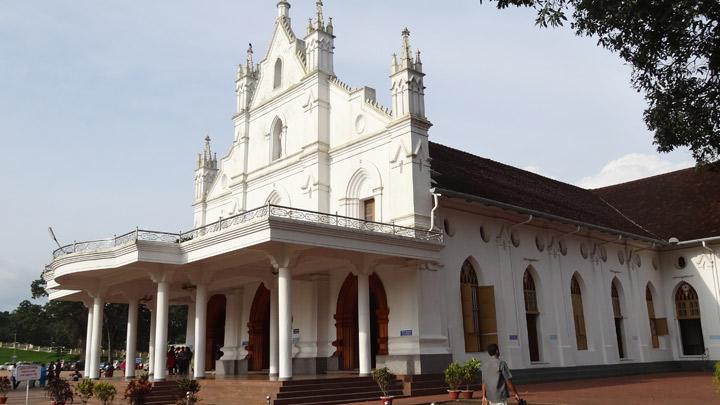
point(163, 393)
point(332, 391)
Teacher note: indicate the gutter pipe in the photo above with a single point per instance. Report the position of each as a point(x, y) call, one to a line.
point(488, 201)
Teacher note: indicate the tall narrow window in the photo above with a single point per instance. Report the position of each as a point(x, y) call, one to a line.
point(531, 315)
point(276, 139)
point(578, 314)
point(278, 74)
point(687, 309)
point(478, 307)
point(651, 317)
point(369, 209)
point(617, 315)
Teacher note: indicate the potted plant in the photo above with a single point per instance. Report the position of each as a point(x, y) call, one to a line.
point(469, 371)
point(137, 390)
point(716, 376)
point(453, 379)
point(59, 391)
point(84, 389)
point(5, 386)
point(188, 389)
point(105, 392)
point(383, 377)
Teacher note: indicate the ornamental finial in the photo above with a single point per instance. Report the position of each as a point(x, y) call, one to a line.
point(249, 60)
point(407, 52)
point(319, 15)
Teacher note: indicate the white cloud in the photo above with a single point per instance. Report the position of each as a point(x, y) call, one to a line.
point(630, 167)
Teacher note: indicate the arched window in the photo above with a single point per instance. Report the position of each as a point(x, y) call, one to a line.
point(531, 315)
point(578, 313)
point(651, 317)
point(478, 308)
point(617, 315)
point(278, 74)
point(276, 140)
point(687, 309)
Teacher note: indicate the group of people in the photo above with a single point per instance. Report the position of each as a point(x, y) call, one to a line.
point(178, 360)
point(47, 372)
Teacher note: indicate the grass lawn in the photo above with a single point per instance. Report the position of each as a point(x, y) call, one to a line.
point(25, 355)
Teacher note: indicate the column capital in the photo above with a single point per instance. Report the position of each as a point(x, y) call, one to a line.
point(161, 276)
point(283, 256)
point(362, 263)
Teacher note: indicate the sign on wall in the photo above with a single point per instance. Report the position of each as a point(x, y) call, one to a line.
point(406, 332)
point(27, 372)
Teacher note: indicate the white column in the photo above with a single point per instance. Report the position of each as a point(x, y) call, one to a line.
point(285, 323)
point(274, 328)
point(151, 341)
point(200, 327)
point(131, 344)
point(161, 331)
point(190, 328)
point(364, 323)
point(96, 349)
point(88, 341)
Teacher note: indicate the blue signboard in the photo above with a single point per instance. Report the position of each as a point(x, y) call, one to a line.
point(406, 332)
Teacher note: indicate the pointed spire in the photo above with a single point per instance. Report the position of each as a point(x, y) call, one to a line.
point(208, 153)
point(319, 15)
point(406, 50)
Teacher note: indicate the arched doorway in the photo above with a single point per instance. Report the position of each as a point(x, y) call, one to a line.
point(259, 331)
point(687, 309)
point(618, 317)
point(532, 314)
point(346, 322)
point(215, 333)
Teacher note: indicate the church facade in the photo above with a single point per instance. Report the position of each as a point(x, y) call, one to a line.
point(334, 235)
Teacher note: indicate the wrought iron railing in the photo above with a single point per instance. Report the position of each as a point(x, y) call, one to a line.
point(247, 217)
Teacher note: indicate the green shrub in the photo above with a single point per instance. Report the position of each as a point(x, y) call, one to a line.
point(383, 377)
point(105, 392)
point(5, 386)
point(84, 389)
point(137, 390)
point(59, 390)
point(454, 376)
point(716, 376)
point(188, 389)
point(470, 370)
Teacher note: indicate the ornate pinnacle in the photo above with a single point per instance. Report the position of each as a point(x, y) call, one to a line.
point(319, 12)
point(249, 60)
point(407, 52)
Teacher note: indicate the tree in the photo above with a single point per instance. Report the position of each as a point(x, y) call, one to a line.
point(38, 288)
point(673, 47)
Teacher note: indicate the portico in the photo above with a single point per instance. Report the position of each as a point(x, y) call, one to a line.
point(299, 289)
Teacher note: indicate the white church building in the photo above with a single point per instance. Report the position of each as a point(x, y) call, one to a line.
point(334, 235)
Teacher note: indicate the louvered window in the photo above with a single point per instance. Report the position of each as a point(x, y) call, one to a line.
point(478, 308)
point(578, 314)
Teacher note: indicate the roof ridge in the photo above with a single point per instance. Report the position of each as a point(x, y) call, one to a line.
point(647, 178)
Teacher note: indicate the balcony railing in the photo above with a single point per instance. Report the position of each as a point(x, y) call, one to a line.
point(248, 217)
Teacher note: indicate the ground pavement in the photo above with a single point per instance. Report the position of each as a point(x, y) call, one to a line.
point(656, 389)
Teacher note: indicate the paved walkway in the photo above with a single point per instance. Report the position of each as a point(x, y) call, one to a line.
point(656, 389)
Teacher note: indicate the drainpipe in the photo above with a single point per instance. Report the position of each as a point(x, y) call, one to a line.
point(432, 211)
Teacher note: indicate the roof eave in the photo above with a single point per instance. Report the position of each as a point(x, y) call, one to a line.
point(552, 217)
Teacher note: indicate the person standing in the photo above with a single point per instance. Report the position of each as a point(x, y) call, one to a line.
point(496, 379)
point(43, 375)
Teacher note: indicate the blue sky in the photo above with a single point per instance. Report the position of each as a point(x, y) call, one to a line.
point(104, 105)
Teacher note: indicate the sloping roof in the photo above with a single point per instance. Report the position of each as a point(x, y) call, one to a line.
point(684, 204)
point(469, 174)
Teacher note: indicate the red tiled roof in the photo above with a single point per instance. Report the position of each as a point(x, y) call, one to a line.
point(465, 173)
point(684, 204)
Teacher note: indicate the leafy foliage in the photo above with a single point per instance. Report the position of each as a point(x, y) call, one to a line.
point(716, 376)
point(454, 376)
point(59, 390)
point(84, 389)
point(383, 377)
point(188, 389)
point(673, 47)
point(105, 392)
point(5, 386)
point(470, 370)
point(137, 390)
